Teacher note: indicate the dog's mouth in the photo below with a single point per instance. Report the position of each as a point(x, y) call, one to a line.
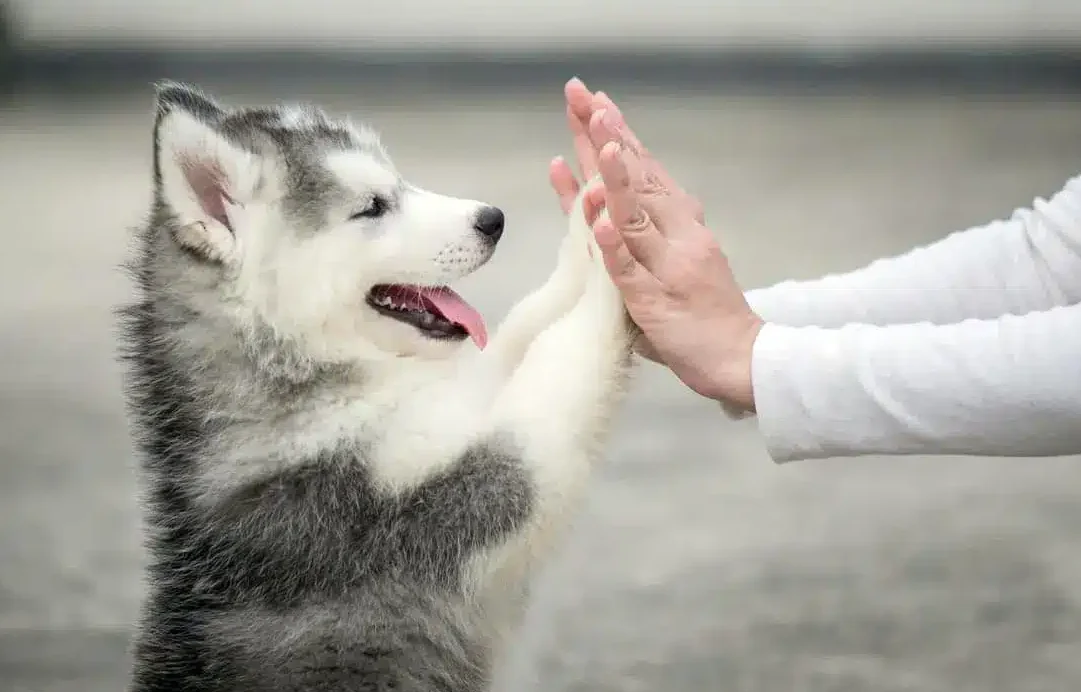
point(436, 311)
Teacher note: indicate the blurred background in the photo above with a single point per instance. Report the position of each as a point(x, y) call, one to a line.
point(820, 135)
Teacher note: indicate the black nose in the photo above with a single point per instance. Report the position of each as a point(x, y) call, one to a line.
point(489, 223)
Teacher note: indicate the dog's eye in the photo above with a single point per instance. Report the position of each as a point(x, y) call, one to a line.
point(378, 206)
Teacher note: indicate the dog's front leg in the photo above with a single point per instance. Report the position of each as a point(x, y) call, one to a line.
point(541, 308)
point(558, 402)
point(554, 408)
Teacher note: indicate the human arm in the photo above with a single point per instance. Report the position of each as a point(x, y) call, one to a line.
point(1009, 386)
point(1005, 386)
point(1030, 262)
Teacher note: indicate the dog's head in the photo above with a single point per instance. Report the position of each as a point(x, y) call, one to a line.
point(300, 224)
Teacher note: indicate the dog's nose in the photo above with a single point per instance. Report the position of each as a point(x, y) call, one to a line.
point(489, 223)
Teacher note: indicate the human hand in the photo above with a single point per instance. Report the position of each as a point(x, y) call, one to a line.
point(560, 175)
point(581, 105)
point(674, 278)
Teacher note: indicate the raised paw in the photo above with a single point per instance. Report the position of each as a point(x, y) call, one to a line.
point(581, 229)
point(593, 249)
point(579, 246)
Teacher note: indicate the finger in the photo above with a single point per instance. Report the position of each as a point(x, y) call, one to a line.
point(579, 109)
point(603, 130)
point(641, 236)
point(563, 182)
point(603, 125)
point(579, 99)
point(599, 131)
point(601, 135)
point(603, 102)
point(619, 129)
point(617, 126)
point(593, 203)
point(632, 279)
point(584, 151)
point(671, 210)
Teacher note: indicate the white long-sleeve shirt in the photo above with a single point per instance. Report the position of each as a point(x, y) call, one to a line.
point(971, 345)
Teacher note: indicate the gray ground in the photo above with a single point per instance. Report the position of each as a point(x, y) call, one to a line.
point(698, 564)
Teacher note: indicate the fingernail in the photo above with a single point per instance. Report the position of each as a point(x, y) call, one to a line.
point(616, 148)
point(609, 104)
point(610, 119)
point(598, 116)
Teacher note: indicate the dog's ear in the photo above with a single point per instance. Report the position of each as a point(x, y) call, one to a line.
point(200, 174)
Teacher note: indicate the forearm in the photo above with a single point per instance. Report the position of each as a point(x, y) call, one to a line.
point(1004, 387)
point(1030, 262)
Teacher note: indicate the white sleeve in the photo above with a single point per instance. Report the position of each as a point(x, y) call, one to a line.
point(1004, 387)
point(1030, 262)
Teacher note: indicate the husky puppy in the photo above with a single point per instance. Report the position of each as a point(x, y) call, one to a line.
point(348, 485)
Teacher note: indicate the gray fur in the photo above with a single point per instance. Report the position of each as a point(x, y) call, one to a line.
point(310, 577)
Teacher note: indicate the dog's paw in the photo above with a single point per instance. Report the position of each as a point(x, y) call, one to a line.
point(592, 249)
point(579, 247)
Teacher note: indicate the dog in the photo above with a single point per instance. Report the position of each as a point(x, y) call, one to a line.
point(348, 485)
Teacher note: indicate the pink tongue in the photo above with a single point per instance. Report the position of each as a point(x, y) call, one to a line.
point(456, 310)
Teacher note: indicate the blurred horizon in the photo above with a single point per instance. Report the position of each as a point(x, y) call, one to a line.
point(556, 25)
point(997, 45)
